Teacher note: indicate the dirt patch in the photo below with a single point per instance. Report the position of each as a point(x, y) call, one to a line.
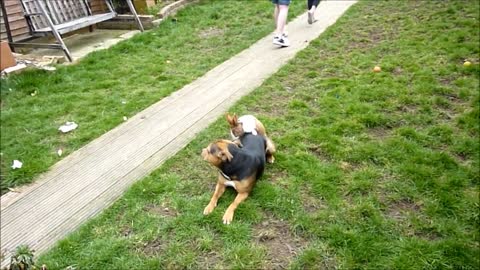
point(319, 153)
point(311, 204)
point(280, 243)
point(211, 260)
point(397, 210)
point(126, 231)
point(453, 98)
point(397, 71)
point(446, 81)
point(161, 210)
point(211, 32)
point(379, 133)
point(400, 212)
point(152, 248)
point(278, 177)
point(369, 38)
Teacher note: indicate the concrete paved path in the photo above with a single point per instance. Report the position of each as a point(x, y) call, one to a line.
point(92, 178)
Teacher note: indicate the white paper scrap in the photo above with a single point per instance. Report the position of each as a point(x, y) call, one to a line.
point(17, 164)
point(69, 126)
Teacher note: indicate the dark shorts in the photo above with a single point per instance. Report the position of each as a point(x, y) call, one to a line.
point(281, 2)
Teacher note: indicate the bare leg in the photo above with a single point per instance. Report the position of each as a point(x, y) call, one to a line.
point(219, 190)
point(275, 15)
point(281, 18)
point(228, 216)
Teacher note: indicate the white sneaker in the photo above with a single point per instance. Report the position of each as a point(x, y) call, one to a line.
point(281, 41)
point(276, 39)
point(311, 17)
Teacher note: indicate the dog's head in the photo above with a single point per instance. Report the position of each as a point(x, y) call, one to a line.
point(217, 152)
point(236, 128)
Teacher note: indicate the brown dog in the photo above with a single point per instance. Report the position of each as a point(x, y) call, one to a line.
point(239, 167)
point(250, 124)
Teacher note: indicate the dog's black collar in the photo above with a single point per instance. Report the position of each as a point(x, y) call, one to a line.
point(224, 175)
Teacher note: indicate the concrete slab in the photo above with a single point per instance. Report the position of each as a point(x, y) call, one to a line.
point(92, 178)
point(84, 43)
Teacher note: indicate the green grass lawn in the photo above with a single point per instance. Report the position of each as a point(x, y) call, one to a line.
point(373, 171)
point(121, 81)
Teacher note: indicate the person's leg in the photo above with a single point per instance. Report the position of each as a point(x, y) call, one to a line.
point(280, 15)
point(275, 15)
point(312, 6)
point(281, 19)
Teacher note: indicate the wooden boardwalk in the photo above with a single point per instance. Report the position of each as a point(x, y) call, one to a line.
point(92, 178)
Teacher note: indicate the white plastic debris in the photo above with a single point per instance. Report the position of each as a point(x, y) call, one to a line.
point(59, 152)
point(124, 102)
point(125, 118)
point(48, 68)
point(69, 126)
point(17, 164)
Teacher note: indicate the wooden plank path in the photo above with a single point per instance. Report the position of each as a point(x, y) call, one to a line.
point(92, 178)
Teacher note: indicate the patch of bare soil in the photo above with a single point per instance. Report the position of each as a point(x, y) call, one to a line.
point(126, 231)
point(379, 133)
point(397, 71)
point(369, 38)
point(400, 212)
point(447, 81)
point(311, 204)
point(209, 260)
point(397, 210)
point(211, 32)
point(278, 176)
point(319, 153)
point(161, 210)
point(152, 248)
point(280, 243)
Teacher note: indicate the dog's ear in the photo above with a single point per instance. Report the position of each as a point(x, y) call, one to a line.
point(224, 155)
point(232, 120)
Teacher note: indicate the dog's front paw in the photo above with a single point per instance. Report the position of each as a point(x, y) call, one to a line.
point(208, 209)
point(227, 217)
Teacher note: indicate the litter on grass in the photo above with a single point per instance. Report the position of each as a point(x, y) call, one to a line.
point(17, 164)
point(69, 126)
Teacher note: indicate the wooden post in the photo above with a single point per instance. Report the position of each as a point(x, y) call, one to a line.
point(135, 15)
point(5, 19)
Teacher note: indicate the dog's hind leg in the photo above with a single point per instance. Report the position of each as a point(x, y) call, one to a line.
point(270, 150)
point(260, 128)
